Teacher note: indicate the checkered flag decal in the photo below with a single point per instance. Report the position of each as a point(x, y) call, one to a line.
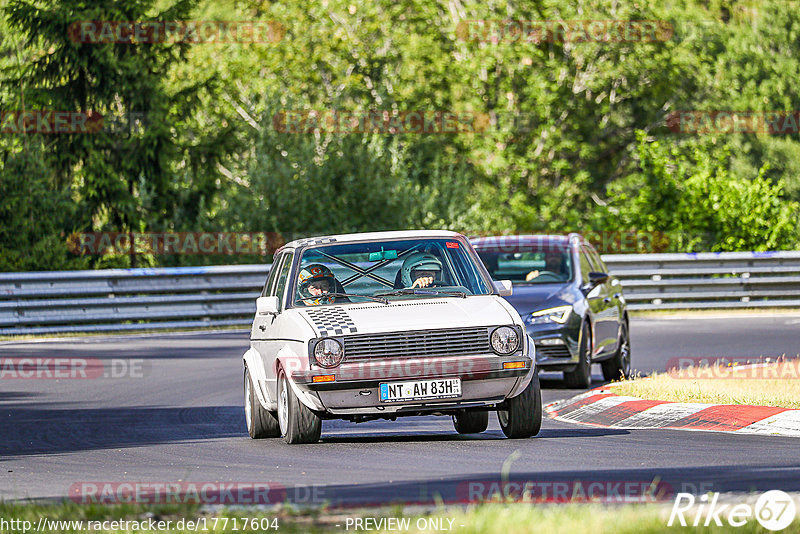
point(332, 322)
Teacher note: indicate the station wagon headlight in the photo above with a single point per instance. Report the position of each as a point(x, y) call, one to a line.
point(505, 340)
point(328, 352)
point(551, 315)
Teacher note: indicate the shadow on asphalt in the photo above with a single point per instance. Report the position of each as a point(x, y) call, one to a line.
point(29, 430)
point(490, 435)
point(581, 432)
point(644, 484)
point(406, 437)
point(16, 395)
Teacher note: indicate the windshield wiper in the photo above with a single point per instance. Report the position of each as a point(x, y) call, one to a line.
point(376, 298)
point(425, 291)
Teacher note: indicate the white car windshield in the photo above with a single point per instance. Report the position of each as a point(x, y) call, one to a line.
point(387, 270)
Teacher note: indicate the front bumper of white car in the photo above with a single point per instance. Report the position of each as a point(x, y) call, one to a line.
point(353, 388)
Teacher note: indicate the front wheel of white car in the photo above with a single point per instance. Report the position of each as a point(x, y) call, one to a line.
point(261, 423)
point(522, 416)
point(297, 423)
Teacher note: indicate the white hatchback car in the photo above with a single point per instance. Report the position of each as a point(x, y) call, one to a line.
point(382, 325)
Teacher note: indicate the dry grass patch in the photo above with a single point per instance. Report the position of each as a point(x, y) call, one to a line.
point(770, 384)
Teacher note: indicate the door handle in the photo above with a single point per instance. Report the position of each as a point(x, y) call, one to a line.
point(607, 300)
point(617, 295)
point(263, 327)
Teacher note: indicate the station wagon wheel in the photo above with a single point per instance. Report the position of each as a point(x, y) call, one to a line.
point(522, 416)
point(471, 422)
point(620, 365)
point(261, 423)
point(298, 424)
point(581, 376)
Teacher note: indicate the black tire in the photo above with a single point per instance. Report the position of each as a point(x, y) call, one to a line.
point(298, 424)
point(260, 423)
point(620, 365)
point(471, 422)
point(522, 417)
point(581, 376)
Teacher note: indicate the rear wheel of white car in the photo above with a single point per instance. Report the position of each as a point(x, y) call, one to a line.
point(261, 423)
point(471, 422)
point(581, 377)
point(298, 424)
point(522, 417)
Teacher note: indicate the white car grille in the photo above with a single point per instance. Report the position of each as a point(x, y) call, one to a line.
point(420, 343)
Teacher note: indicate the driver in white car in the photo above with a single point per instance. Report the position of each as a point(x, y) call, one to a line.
point(421, 269)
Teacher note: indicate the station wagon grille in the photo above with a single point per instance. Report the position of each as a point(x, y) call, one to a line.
point(557, 351)
point(420, 343)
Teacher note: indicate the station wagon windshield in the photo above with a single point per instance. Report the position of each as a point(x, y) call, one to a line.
point(529, 264)
point(387, 270)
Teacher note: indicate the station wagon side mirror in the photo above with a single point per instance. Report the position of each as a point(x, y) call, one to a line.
point(504, 287)
point(267, 305)
point(595, 279)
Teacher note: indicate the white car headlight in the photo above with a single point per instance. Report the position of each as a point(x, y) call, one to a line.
point(558, 315)
point(328, 353)
point(505, 340)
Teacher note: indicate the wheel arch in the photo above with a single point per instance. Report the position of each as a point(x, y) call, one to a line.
point(589, 321)
point(252, 364)
point(310, 399)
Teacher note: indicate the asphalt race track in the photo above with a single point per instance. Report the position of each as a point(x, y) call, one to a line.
point(178, 417)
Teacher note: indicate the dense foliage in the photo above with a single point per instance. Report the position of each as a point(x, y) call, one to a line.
point(573, 135)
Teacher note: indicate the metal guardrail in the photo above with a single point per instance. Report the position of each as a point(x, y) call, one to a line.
point(169, 298)
point(129, 299)
point(709, 280)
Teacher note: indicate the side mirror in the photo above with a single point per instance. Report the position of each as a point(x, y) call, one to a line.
point(504, 287)
point(267, 305)
point(595, 279)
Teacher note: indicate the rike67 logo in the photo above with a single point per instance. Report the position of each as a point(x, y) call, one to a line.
point(774, 510)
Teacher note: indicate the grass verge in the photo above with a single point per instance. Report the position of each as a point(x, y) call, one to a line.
point(770, 384)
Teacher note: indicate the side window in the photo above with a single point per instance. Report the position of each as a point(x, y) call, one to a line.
point(273, 275)
point(280, 286)
point(597, 261)
point(585, 265)
point(586, 251)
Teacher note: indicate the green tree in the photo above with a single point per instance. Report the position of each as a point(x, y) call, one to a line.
point(690, 196)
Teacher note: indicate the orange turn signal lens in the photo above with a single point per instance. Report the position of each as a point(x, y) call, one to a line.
point(323, 378)
point(514, 365)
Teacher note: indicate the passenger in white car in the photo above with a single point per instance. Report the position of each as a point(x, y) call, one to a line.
point(315, 282)
point(420, 269)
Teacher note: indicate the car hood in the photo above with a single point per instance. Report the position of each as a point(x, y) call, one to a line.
point(416, 314)
point(528, 298)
